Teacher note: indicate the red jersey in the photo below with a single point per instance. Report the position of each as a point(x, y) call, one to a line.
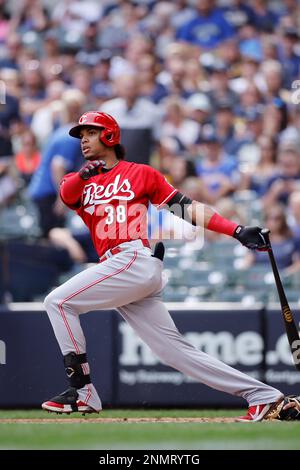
point(114, 203)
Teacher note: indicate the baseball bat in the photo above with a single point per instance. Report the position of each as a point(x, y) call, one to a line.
point(287, 315)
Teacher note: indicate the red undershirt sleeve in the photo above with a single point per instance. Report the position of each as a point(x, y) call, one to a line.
point(71, 189)
point(219, 224)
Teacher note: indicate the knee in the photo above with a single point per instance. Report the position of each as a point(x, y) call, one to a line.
point(52, 300)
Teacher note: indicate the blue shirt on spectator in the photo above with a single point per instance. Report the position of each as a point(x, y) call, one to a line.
point(291, 67)
point(265, 21)
point(64, 146)
point(238, 15)
point(213, 175)
point(206, 31)
point(283, 251)
point(283, 197)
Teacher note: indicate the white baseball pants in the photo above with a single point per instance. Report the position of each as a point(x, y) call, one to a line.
point(131, 282)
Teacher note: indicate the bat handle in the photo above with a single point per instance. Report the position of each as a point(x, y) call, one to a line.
point(266, 233)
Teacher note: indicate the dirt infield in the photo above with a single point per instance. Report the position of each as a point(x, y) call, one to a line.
point(113, 420)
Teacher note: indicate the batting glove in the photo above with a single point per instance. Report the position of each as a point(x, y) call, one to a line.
point(251, 237)
point(90, 169)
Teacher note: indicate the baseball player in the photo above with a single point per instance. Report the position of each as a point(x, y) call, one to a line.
point(112, 196)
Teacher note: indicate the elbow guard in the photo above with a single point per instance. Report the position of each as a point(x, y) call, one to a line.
point(178, 205)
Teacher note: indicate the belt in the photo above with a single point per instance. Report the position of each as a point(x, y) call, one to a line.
point(119, 248)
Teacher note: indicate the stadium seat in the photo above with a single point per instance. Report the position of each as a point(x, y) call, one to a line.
point(33, 268)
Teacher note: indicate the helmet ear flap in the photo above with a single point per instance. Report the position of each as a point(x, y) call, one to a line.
point(107, 137)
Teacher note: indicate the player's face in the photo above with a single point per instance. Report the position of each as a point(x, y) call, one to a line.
point(91, 146)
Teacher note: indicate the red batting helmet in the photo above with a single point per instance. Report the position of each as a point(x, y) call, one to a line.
point(110, 134)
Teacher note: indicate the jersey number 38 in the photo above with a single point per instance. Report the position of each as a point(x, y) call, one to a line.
point(119, 213)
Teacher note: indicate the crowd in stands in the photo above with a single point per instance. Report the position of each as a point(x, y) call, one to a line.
point(207, 91)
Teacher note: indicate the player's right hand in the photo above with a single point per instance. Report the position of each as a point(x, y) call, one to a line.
point(251, 237)
point(90, 169)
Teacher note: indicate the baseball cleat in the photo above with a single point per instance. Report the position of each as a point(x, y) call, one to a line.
point(66, 403)
point(257, 413)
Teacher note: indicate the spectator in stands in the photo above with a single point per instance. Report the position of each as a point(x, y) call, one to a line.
point(275, 118)
point(291, 133)
point(9, 116)
point(102, 88)
point(172, 80)
point(29, 16)
point(8, 182)
point(158, 25)
point(198, 108)
point(11, 53)
point(294, 213)
point(179, 170)
point(50, 115)
point(264, 18)
point(208, 29)
point(183, 14)
point(237, 13)
point(218, 171)
point(251, 98)
point(27, 159)
point(4, 20)
point(287, 178)
point(288, 56)
point(256, 175)
point(247, 74)
point(194, 75)
point(89, 54)
point(224, 127)
point(72, 16)
point(60, 156)
point(269, 48)
point(82, 81)
point(121, 24)
point(248, 151)
point(33, 90)
point(147, 69)
point(284, 243)
point(138, 118)
point(219, 85)
point(11, 78)
point(51, 59)
point(288, 9)
point(272, 76)
point(126, 63)
point(175, 125)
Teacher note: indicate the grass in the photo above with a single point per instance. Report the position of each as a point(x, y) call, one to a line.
point(87, 435)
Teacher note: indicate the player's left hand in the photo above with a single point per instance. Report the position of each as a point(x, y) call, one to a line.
point(251, 237)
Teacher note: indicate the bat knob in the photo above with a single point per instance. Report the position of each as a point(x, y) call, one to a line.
point(265, 231)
